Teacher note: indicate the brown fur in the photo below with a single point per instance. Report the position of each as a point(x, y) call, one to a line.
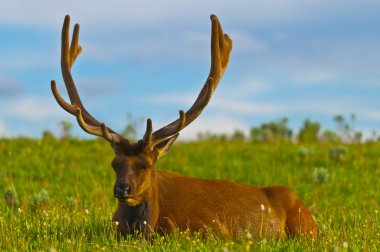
point(223, 207)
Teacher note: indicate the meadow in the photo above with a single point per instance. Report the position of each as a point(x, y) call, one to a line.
point(57, 194)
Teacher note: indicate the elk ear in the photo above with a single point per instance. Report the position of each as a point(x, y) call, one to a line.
point(163, 147)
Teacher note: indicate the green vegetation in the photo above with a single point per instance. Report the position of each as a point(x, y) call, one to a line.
point(57, 194)
point(272, 132)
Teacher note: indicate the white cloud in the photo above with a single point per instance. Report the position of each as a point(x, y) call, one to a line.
point(246, 87)
point(246, 43)
point(330, 61)
point(235, 99)
point(223, 105)
point(118, 29)
point(239, 100)
point(369, 134)
point(233, 94)
point(216, 124)
point(190, 44)
point(99, 86)
point(115, 30)
point(168, 99)
point(114, 14)
point(314, 75)
point(9, 86)
point(246, 107)
point(280, 37)
point(371, 114)
point(33, 109)
point(21, 59)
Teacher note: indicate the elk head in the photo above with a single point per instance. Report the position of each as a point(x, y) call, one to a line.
point(134, 162)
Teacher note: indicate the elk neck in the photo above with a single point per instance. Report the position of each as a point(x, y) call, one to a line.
point(142, 217)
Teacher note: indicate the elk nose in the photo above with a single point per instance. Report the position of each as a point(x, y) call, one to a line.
point(122, 191)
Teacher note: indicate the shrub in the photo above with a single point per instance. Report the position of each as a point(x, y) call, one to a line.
point(11, 198)
point(320, 175)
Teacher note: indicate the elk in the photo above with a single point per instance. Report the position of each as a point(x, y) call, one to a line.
point(162, 201)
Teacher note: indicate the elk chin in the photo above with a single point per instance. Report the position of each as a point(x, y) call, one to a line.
point(132, 202)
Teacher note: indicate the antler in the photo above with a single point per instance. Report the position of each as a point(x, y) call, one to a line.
point(221, 46)
point(68, 55)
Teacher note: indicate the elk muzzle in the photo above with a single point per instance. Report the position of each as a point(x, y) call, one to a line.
point(122, 191)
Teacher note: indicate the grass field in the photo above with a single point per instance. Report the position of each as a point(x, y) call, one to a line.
point(58, 194)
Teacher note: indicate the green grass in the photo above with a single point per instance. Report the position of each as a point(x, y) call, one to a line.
point(342, 192)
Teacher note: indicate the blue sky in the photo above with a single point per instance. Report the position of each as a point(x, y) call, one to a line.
point(293, 58)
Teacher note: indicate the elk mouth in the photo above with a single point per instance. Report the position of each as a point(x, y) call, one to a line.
point(124, 198)
point(129, 200)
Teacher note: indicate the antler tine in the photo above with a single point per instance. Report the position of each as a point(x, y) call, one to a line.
point(93, 130)
point(175, 126)
point(69, 53)
point(68, 56)
point(75, 48)
point(66, 106)
point(221, 46)
point(101, 131)
point(147, 139)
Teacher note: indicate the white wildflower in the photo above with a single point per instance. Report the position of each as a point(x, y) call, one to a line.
point(86, 211)
point(345, 245)
point(249, 236)
point(19, 210)
point(262, 207)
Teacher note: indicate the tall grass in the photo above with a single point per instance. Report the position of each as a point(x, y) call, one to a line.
point(58, 194)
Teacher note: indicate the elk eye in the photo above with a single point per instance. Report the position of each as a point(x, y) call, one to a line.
point(142, 165)
point(116, 162)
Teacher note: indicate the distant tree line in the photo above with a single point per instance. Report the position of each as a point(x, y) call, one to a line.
point(270, 132)
point(310, 132)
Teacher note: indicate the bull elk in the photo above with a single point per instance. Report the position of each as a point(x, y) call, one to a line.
point(151, 200)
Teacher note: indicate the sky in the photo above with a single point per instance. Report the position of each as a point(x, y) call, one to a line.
point(291, 58)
